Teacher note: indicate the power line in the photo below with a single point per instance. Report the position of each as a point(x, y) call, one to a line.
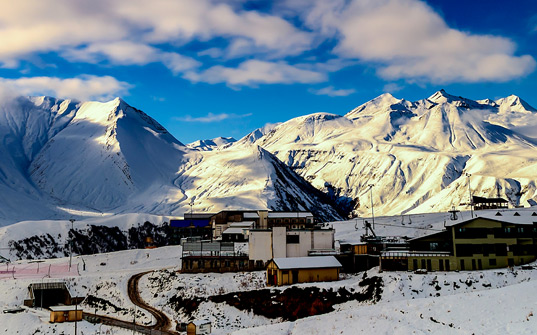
point(392, 225)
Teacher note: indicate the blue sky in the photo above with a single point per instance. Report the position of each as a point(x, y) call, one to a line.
point(206, 68)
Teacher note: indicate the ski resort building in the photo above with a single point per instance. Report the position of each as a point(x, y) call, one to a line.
point(65, 313)
point(261, 219)
point(281, 242)
point(481, 203)
point(191, 227)
point(237, 231)
point(293, 270)
point(475, 244)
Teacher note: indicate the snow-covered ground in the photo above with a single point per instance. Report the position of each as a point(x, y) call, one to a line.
point(481, 302)
point(104, 276)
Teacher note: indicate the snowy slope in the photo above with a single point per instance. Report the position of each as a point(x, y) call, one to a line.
point(416, 154)
point(215, 143)
point(64, 157)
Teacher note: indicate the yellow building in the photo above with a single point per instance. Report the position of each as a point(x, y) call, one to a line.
point(476, 244)
point(198, 327)
point(65, 313)
point(293, 270)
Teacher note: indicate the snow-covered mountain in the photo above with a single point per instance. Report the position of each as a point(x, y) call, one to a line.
point(414, 154)
point(61, 157)
point(215, 143)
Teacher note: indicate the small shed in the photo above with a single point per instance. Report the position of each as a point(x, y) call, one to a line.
point(198, 327)
point(65, 313)
point(293, 270)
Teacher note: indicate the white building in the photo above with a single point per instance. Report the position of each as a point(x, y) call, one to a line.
point(265, 244)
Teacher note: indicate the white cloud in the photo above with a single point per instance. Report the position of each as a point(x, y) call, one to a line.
point(254, 72)
point(212, 117)
point(34, 26)
point(332, 92)
point(407, 39)
point(392, 87)
point(130, 53)
point(403, 39)
point(85, 87)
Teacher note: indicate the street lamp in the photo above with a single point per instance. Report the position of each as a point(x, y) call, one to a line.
point(372, 209)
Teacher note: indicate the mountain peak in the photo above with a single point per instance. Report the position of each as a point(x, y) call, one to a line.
point(381, 103)
point(515, 103)
point(443, 96)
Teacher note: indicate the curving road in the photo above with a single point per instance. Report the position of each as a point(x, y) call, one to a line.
point(163, 322)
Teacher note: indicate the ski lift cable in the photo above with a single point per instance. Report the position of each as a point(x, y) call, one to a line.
point(393, 225)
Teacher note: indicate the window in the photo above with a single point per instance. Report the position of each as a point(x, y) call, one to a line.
point(293, 239)
point(414, 264)
point(501, 249)
point(447, 264)
point(492, 262)
point(434, 246)
point(441, 264)
point(462, 264)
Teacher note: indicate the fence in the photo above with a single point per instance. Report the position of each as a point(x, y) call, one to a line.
point(37, 270)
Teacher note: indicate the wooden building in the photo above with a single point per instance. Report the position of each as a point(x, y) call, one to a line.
point(293, 270)
point(475, 244)
point(198, 327)
point(65, 313)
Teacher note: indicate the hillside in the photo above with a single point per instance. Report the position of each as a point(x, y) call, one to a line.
point(416, 154)
point(63, 158)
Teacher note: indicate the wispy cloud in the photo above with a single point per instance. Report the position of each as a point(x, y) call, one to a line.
point(392, 87)
point(422, 46)
point(84, 87)
point(254, 47)
point(254, 72)
point(212, 117)
point(332, 92)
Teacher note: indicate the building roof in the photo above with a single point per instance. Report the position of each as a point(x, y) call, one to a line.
point(314, 262)
point(234, 230)
point(198, 223)
point(513, 217)
point(249, 215)
point(198, 215)
point(200, 322)
point(289, 214)
point(244, 224)
point(63, 308)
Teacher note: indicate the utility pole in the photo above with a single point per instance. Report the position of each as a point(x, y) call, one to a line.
point(372, 210)
point(470, 194)
point(71, 244)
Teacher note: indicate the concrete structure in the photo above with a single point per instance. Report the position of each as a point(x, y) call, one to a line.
point(292, 220)
point(237, 231)
point(65, 313)
point(216, 256)
point(262, 219)
point(198, 327)
point(280, 242)
point(475, 244)
point(48, 294)
point(293, 270)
